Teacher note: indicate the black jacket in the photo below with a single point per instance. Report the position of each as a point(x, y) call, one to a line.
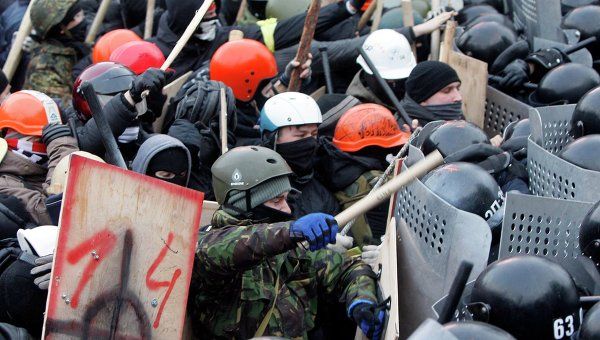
point(313, 197)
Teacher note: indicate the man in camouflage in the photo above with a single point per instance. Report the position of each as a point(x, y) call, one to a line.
point(252, 277)
point(59, 33)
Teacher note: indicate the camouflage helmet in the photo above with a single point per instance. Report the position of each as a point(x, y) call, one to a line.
point(46, 14)
point(244, 168)
point(284, 9)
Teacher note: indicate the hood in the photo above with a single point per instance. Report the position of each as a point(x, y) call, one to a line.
point(154, 145)
point(358, 90)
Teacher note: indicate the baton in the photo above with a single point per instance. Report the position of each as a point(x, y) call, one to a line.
point(589, 300)
point(456, 291)
point(580, 45)
point(528, 85)
point(326, 69)
point(110, 144)
point(386, 88)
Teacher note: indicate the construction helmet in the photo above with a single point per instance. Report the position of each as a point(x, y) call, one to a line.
point(586, 117)
point(108, 79)
point(582, 152)
point(391, 54)
point(109, 42)
point(368, 125)
point(585, 20)
point(486, 41)
point(466, 187)
point(289, 109)
point(590, 327)
point(285, 9)
point(46, 14)
point(468, 330)
point(565, 84)
point(243, 65)
point(530, 297)
point(452, 137)
point(61, 172)
point(244, 168)
point(589, 234)
point(138, 56)
point(27, 112)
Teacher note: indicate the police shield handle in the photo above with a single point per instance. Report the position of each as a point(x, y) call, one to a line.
point(304, 48)
point(380, 195)
point(223, 121)
point(14, 56)
point(149, 24)
point(98, 19)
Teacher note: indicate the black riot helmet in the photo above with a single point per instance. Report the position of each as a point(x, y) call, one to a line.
point(497, 4)
point(469, 330)
point(585, 20)
point(589, 234)
point(583, 152)
point(486, 41)
point(467, 14)
point(590, 327)
point(530, 297)
point(565, 84)
point(495, 17)
point(452, 137)
point(567, 5)
point(467, 187)
point(258, 8)
point(586, 117)
point(520, 128)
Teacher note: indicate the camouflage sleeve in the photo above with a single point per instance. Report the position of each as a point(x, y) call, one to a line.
point(51, 76)
point(345, 278)
point(230, 250)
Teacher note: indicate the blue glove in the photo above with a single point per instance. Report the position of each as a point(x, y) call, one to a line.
point(318, 229)
point(368, 317)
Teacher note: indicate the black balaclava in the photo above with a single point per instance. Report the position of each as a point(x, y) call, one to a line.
point(134, 12)
point(173, 160)
point(180, 13)
point(73, 37)
point(397, 86)
point(299, 155)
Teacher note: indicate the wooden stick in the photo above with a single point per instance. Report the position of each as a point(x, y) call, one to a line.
point(242, 11)
point(223, 122)
point(366, 17)
point(308, 33)
point(98, 19)
point(378, 14)
point(16, 50)
point(408, 19)
point(380, 195)
point(149, 25)
point(446, 46)
point(435, 36)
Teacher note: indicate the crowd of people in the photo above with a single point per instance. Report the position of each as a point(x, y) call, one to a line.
point(274, 261)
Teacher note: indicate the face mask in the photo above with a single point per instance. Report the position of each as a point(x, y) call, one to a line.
point(299, 155)
point(170, 165)
point(447, 111)
point(262, 213)
point(208, 29)
point(78, 32)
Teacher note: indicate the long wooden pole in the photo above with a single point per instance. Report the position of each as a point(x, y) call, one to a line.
point(377, 16)
point(98, 19)
point(435, 36)
point(367, 15)
point(446, 46)
point(310, 24)
point(149, 24)
point(223, 122)
point(408, 19)
point(16, 50)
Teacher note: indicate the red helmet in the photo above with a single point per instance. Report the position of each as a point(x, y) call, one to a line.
point(138, 56)
point(108, 79)
point(111, 41)
point(243, 65)
point(27, 112)
point(368, 125)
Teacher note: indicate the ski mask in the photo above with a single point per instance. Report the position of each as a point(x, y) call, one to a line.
point(397, 86)
point(299, 155)
point(180, 13)
point(207, 30)
point(78, 32)
point(170, 165)
point(265, 214)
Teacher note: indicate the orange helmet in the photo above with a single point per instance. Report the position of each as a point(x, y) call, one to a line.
point(109, 42)
point(138, 56)
point(27, 112)
point(243, 65)
point(368, 125)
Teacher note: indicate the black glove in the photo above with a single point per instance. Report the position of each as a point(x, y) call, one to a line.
point(548, 58)
point(152, 80)
point(516, 146)
point(188, 134)
point(515, 74)
point(55, 131)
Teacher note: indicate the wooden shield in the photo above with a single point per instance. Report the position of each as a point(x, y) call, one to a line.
point(124, 257)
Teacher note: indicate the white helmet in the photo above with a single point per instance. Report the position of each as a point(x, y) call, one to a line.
point(3, 149)
point(288, 109)
point(61, 171)
point(391, 54)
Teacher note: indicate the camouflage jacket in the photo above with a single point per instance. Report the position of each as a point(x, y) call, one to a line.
point(50, 70)
point(361, 231)
point(235, 272)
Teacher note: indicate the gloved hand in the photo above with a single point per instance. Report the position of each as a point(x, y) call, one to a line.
point(318, 229)
point(54, 131)
point(152, 80)
point(188, 134)
point(342, 244)
point(369, 318)
point(305, 75)
point(42, 271)
point(370, 254)
point(514, 74)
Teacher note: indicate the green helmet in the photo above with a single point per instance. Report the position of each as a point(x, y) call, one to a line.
point(244, 168)
point(422, 7)
point(46, 14)
point(284, 9)
point(394, 18)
